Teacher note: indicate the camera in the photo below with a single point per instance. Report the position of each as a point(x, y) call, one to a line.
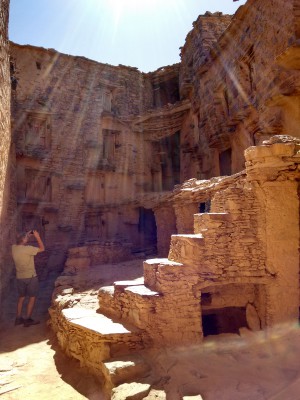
point(31, 232)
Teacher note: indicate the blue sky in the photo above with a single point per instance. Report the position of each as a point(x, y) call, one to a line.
point(145, 34)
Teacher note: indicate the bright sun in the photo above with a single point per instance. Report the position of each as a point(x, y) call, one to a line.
point(125, 10)
point(124, 5)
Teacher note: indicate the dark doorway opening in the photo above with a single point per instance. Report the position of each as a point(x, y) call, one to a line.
point(147, 231)
point(225, 162)
point(223, 320)
point(204, 207)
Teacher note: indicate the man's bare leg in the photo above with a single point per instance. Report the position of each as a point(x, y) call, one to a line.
point(20, 306)
point(19, 320)
point(29, 321)
point(30, 306)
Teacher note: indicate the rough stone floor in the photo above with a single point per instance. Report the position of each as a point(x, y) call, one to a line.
point(253, 366)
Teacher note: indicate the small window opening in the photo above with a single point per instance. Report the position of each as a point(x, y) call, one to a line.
point(38, 65)
point(204, 207)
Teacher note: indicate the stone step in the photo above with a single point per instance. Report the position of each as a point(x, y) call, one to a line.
point(156, 266)
point(107, 304)
point(92, 337)
point(126, 369)
point(138, 303)
point(208, 223)
point(134, 391)
point(187, 249)
point(121, 285)
point(109, 298)
point(128, 301)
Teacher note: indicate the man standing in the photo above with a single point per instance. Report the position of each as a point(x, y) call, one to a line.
point(27, 280)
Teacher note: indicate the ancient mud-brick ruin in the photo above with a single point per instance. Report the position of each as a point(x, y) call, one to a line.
point(193, 168)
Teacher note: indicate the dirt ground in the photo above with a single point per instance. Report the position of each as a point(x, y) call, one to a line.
point(253, 366)
point(32, 366)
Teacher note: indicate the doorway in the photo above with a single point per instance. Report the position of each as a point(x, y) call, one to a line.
point(225, 162)
point(147, 231)
point(224, 320)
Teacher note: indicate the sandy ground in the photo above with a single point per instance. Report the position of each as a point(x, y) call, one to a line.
point(254, 366)
point(32, 366)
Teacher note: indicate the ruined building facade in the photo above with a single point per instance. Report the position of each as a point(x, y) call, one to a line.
point(236, 270)
point(98, 149)
point(93, 142)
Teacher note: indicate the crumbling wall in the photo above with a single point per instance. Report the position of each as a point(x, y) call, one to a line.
point(7, 206)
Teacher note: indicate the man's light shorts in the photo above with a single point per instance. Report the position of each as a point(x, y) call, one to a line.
point(28, 287)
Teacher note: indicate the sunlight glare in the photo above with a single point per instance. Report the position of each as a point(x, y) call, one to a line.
point(132, 5)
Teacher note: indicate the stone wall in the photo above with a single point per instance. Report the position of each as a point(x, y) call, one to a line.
point(243, 254)
point(7, 206)
point(272, 172)
point(206, 31)
point(240, 267)
point(80, 258)
point(79, 162)
point(241, 89)
point(166, 225)
point(91, 138)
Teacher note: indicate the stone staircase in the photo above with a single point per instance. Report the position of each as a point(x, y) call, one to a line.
point(211, 231)
point(159, 309)
point(162, 304)
point(159, 304)
point(166, 303)
point(108, 349)
point(129, 301)
point(225, 256)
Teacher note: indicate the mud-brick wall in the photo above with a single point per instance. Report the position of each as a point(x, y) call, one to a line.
point(7, 231)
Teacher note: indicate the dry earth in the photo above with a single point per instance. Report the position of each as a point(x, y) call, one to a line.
point(253, 366)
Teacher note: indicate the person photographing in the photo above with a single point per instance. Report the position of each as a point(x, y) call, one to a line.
point(27, 280)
